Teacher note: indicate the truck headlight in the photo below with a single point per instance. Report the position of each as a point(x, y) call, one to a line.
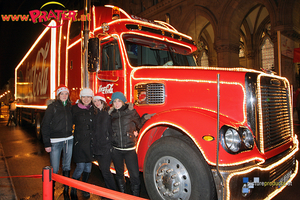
point(236, 139)
point(232, 140)
point(247, 138)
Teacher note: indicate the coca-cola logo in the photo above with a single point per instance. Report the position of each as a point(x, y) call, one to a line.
point(108, 89)
point(38, 73)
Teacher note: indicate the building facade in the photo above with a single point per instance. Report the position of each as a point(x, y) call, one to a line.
point(258, 34)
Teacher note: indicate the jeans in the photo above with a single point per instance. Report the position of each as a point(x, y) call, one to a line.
point(66, 147)
point(131, 162)
point(81, 167)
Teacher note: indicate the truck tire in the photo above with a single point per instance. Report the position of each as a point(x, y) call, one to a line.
point(173, 169)
point(38, 126)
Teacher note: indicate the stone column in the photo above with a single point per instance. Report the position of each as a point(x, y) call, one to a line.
point(227, 54)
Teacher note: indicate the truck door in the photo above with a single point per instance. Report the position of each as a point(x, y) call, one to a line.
point(111, 73)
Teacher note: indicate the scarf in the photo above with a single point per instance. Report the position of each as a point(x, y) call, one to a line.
point(83, 106)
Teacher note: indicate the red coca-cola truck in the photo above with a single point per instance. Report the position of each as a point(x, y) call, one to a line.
point(218, 133)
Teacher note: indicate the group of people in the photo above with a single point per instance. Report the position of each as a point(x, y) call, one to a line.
point(89, 131)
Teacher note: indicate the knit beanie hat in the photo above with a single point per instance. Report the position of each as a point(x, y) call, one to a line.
point(100, 96)
point(86, 92)
point(62, 88)
point(118, 95)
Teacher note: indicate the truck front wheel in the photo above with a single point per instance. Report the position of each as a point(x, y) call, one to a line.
point(173, 169)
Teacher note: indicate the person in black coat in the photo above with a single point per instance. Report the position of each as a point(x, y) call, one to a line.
point(57, 134)
point(101, 139)
point(125, 124)
point(83, 116)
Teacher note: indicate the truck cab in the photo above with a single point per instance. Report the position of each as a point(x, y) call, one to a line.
point(215, 131)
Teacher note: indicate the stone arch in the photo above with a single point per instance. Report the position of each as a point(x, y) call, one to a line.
point(202, 20)
point(251, 29)
point(187, 19)
point(212, 56)
point(228, 32)
point(246, 39)
point(234, 13)
point(258, 41)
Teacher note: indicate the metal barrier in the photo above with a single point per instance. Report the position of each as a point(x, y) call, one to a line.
point(49, 177)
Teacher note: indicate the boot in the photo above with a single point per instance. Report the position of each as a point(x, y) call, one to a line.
point(135, 190)
point(73, 193)
point(66, 187)
point(85, 177)
point(121, 184)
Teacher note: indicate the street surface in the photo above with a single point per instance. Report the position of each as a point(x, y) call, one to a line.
point(25, 155)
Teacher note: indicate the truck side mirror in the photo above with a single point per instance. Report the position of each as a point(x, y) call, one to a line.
point(93, 54)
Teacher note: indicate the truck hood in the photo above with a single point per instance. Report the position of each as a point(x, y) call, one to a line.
point(197, 87)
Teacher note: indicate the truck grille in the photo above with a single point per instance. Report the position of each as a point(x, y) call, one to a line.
point(282, 169)
point(275, 113)
point(155, 92)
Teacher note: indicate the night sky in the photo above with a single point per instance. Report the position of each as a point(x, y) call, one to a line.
point(17, 37)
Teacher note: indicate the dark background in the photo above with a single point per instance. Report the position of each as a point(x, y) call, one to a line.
point(16, 37)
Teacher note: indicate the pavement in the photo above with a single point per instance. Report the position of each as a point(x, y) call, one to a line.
point(7, 189)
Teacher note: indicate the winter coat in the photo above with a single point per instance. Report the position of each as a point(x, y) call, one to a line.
point(124, 122)
point(101, 138)
point(83, 120)
point(57, 122)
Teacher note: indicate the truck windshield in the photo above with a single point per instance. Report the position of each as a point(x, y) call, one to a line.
point(149, 52)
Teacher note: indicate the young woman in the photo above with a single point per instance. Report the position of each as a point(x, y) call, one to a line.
point(83, 116)
point(57, 133)
point(125, 124)
point(101, 142)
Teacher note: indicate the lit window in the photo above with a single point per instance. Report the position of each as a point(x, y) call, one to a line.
point(204, 60)
point(267, 54)
point(242, 51)
point(242, 48)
